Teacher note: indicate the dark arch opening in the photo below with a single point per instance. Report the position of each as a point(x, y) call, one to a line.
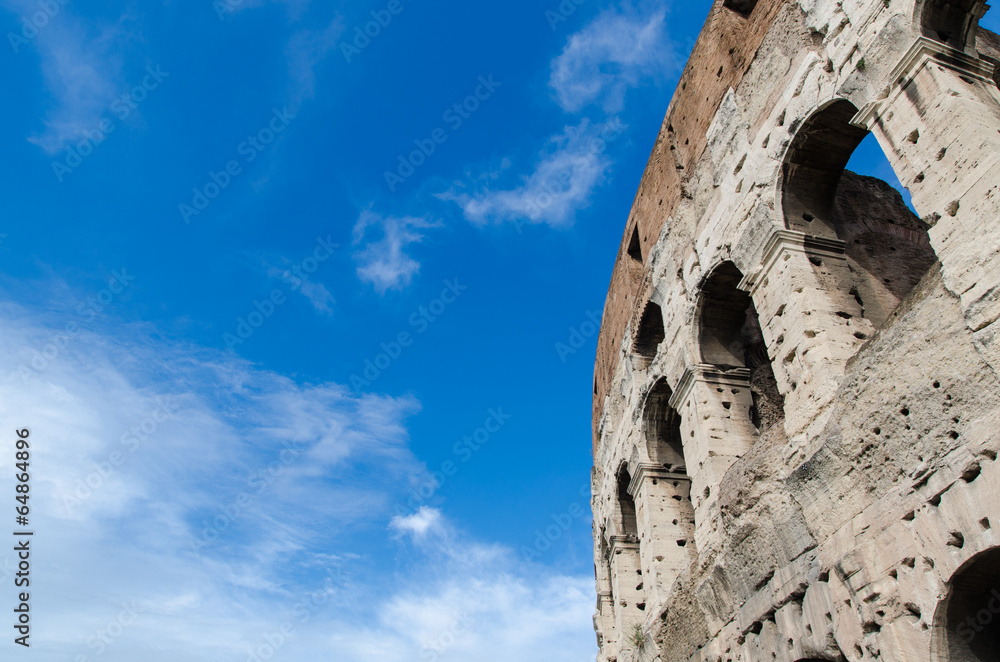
point(650, 333)
point(743, 7)
point(730, 337)
point(886, 244)
point(952, 22)
point(626, 505)
point(662, 428)
point(972, 611)
point(635, 246)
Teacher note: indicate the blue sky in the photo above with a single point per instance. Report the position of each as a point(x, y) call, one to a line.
point(280, 400)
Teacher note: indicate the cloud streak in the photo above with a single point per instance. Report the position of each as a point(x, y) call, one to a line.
point(565, 174)
point(385, 262)
point(614, 53)
point(82, 73)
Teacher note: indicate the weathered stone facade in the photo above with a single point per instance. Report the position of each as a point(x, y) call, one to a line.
point(796, 393)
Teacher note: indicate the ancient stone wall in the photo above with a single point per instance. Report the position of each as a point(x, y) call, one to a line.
point(796, 388)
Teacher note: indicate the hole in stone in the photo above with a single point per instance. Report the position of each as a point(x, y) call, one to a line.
point(972, 472)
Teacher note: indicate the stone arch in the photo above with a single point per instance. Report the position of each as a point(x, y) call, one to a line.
point(649, 334)
point(967, 622)
point(886, 245)
point(813, 166)
point(730, 336)
point(952, 22)
point(662, 429)
point(721, 316)
point(628, 524)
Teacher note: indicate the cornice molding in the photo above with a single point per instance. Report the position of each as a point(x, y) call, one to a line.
point(784, 241)
point(921, 52)
point(706, 373)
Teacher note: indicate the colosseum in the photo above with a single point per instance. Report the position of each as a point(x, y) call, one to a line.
point(796, 382)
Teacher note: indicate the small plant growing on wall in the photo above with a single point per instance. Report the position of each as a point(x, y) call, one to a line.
point(636, 636)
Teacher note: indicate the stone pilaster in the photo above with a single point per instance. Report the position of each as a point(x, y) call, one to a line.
point(666, 527)
point(810, 321)
point(716, 430)
point(627, 584)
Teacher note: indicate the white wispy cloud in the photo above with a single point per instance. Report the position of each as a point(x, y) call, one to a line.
point(140, 446)
point(567, 171)
point(615, 52)
point(420, 523)
point(305, 50)
point(384, 262)
point(226, 8)
point(81, 69)
point(620, 49)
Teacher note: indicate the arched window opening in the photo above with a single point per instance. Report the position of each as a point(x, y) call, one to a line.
point(650, 333)
point(743, 7)
point(886, 245)
point(626, 505)
point(634, 246)
point(952, 22)
point(731, 338)
point(662, 428)
point(972, 611)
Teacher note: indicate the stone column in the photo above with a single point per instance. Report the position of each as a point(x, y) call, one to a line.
point(604, 624)
point(666, 528)
point(810, 321)
point(626, 585)
point(716, 429)
point(938, 121)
